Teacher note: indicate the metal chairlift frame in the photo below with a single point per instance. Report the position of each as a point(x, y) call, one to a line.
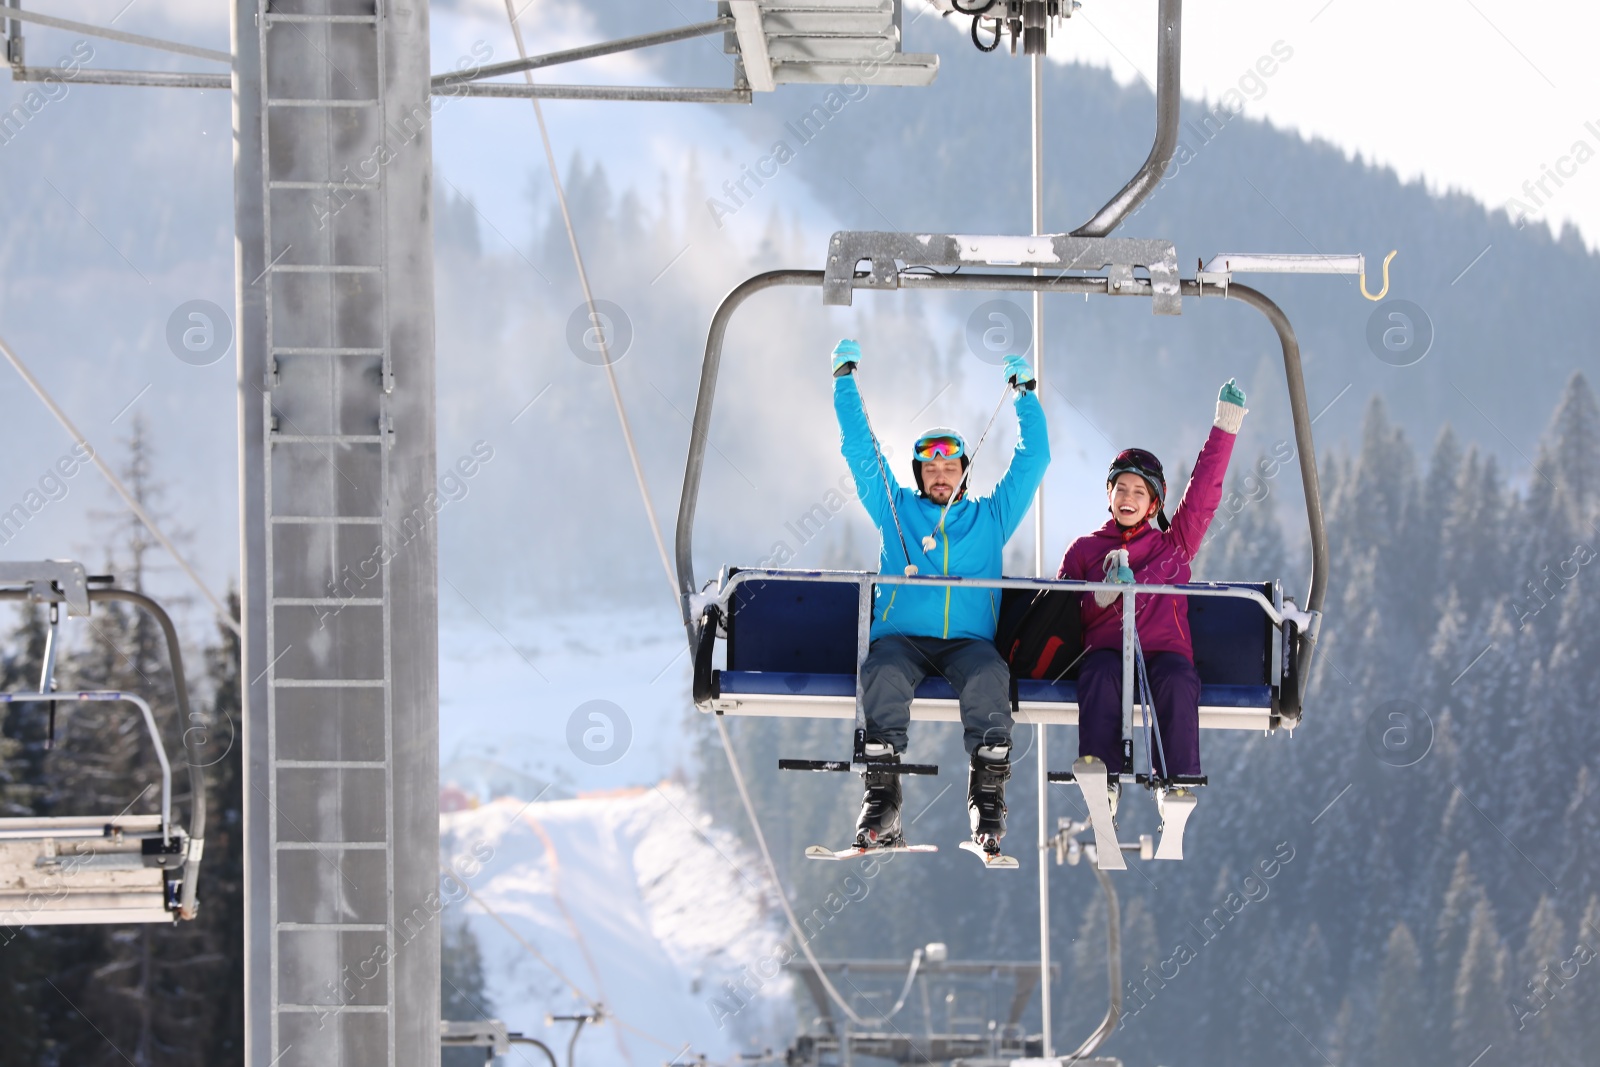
point(701, 611)
point(1001, 1040)
point(161, 844)
point(1085, 248)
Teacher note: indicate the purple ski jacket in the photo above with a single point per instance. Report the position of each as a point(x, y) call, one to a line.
point(1157, 557)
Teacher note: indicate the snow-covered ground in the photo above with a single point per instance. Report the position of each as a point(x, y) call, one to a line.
point(523, 693)
point(630, 899)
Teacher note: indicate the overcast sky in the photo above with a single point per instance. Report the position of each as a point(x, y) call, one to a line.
point(1464, 94)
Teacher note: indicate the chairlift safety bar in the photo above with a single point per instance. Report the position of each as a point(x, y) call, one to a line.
point(872, 578)
point(114, 696)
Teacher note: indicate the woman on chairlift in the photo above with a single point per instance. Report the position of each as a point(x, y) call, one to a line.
point(1140, 545)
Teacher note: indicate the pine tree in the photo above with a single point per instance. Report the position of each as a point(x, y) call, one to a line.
point(1571, 457)
point(1453, 926)
point(1579, 875)
point(218, 749)
point(464, 995)
point(1312, 1003)
point(24, 949)
point(1575, 1012)
point(1533, 987)
point(1479, 1020)
point(1400, 1036)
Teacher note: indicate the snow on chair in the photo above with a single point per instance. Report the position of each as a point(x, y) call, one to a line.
point(87, 869)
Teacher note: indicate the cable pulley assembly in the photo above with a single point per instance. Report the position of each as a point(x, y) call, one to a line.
point(1029, 22)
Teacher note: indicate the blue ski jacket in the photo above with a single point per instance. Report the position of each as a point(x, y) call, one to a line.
point(971, 542)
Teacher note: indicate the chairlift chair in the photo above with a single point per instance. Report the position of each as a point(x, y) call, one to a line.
point(93, 869)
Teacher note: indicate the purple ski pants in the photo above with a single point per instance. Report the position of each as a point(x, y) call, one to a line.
point(1175, 687)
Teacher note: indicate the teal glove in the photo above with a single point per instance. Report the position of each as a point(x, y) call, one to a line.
point(1018, 373)
point(1117, 571)
point(846, 354)
point(1230, 408)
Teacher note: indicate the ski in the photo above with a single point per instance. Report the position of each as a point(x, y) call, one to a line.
point(995, 861)
point(823, 852)
point(1175, 806)
point(1090, 774)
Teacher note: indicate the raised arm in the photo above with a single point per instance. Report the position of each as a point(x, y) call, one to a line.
point(855, 438)
point(1014, 492)
point(1204, 492)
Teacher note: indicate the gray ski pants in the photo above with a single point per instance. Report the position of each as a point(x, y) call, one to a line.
point(895, 665)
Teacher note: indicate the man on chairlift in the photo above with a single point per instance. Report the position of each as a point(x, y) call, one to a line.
point(937, 528)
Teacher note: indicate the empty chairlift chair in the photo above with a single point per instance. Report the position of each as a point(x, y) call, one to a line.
point(112, 867)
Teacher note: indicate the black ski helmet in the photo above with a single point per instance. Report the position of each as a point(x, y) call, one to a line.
point(938, 442)
point(1147, 466)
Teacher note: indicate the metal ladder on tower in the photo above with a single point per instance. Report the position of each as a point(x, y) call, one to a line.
point(330, 745)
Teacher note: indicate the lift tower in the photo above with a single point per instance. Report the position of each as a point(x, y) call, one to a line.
point(334, 268)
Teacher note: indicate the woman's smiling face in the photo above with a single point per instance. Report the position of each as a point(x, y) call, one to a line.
point(1130, 499)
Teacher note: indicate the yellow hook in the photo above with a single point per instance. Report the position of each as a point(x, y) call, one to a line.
point(1381, 293)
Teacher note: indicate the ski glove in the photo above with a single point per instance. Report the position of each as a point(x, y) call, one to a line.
point(846, 354)
point(1018, 373)
point(1118, 571)
point(1230, 407)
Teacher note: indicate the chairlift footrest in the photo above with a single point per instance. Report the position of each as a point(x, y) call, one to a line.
point(1185, 781)
point(813, 765)
point(846, 765)
point(1058, 777)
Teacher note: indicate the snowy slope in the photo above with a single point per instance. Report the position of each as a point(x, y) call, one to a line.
point(508, 689)
point(640, 904)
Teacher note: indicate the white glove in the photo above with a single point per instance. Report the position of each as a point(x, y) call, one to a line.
point(1117, 570)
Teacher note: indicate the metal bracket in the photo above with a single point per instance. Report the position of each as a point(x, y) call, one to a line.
point(478, 1033)
point(50, 581)
point(885, 252)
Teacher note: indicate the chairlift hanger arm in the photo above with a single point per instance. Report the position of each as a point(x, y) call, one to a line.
point(1169, 27)
point(591, 51)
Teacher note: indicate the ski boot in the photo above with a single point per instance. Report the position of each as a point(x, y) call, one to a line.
point(986, 796)
point(878, 825)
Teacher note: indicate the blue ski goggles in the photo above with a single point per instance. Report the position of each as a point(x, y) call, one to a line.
point(939, 444)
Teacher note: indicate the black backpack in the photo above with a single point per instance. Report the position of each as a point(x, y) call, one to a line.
point(1040, 632)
